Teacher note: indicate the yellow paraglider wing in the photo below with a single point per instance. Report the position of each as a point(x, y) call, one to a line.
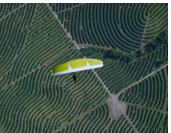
point(76, 65)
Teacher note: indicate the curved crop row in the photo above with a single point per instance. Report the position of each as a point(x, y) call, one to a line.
point(158, 20)
point(7, 8)
point(122, 26)
point(96, 121)
point(13, 35)
point(151, 92)
point(99, 121)
point(122, 74)
point(146, 120)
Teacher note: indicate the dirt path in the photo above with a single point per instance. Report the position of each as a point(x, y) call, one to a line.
point(71, 8)
point(76, 45)
point(142, 106)
point(133, 84)
point(13, 11)
point(143, 44)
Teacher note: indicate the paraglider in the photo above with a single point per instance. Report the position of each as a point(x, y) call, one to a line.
point(75, 66)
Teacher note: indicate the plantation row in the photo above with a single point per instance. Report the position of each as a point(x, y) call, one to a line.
point(122, 74)
point(146, 120)
point(123, 26)
point(158, 18)
point(121, 126)
point(151, 92)
point(13, 36)
point(99, 121)
point(143, 18)
point(6, 8)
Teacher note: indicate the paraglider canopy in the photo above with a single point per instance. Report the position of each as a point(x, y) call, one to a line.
point(76, 65)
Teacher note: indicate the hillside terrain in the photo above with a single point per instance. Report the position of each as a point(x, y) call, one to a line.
point(128, 94)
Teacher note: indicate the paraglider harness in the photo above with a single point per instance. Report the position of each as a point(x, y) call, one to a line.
point(74, 78)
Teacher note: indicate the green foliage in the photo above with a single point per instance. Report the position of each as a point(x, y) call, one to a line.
point(120, 56)
point(115, 55)
point(161, 61)
point(89, 51)
point(161, 39)
point(140, 53)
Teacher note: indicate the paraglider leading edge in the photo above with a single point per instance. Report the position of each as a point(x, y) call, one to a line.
point(76, 65)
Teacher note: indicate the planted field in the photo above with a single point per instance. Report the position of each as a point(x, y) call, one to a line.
point(148, 103)
point(8, 8)
point(37, 37)
point(152, 92)
point(99, 121)
point(122, 74)
point(126, 27)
